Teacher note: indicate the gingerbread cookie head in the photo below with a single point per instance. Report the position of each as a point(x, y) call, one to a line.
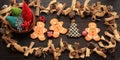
point(92, 25)
point(54, 21)
point(40, 24)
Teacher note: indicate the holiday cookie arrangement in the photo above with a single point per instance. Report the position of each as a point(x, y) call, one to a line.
point(19, 18)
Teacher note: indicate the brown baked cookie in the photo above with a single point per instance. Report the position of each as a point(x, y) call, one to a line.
point(39, 31)
point(92, 32)
point(57, 27)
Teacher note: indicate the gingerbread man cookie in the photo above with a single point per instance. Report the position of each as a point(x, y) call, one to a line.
point(92, 32)
point(56, 26)
point(39, 31)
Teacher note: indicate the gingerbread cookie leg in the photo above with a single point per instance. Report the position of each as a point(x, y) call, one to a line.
point(63, 31)
point(33, 36)
point(56, 34)
point(96, 38)
point(41, 37)
point(88, 38)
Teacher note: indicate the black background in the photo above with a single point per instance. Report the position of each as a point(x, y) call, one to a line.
point(24, 39)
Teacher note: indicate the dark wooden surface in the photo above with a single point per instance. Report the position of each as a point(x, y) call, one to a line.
point(24, 39)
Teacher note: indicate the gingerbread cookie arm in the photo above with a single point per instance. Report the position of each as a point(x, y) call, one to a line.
point(98, 30)
point(45, 30)
point(87, 29)
point(34, 28)
point(61, 23)
point(51, 28)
